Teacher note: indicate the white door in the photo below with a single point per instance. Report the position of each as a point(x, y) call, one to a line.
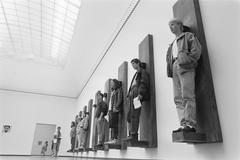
point(43, 133)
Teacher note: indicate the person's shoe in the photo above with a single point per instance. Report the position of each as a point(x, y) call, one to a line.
point(109, 142)
point(130, 137)
point(99, 145)
point(114, 141)
point(76, 150)
point(80, 148)
point(180, 129)
point(188, 129)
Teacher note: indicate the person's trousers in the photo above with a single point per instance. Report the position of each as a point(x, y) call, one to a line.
point(58, 146)
point(115, 119)
point(54, 149)
point(83, 134)
point(184, 94)
point(134, 121)
point(73, 143)
point(133, 114)
point(77, 141)
point(103, 131)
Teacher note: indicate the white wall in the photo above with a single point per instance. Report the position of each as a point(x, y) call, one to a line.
point(22, 111)
point(221, 24)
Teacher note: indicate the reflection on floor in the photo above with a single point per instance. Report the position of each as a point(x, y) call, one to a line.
point(43, 158)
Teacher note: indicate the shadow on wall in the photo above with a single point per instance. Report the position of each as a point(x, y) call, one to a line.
point(151, 152)
point(211, 150)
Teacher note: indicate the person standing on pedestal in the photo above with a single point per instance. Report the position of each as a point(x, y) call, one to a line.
point(72, 136)
point(56, 142)
point(139, 89)
point(83, 129)
point(78, 133)
point(116, 105)
point(182, 57)
point(102, 124)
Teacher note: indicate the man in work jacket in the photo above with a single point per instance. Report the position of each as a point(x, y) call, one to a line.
point(182, 58)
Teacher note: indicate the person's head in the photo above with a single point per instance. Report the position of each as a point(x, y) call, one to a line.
point(78, 120)
point(59, 128)
point(176, 26)
point(83, 114)
point(46, 142)
point(116, 84)
point(99, 96)
point(72, 124)
point(80, 115)
point(84, 111)
point(76, 117)
point(55, 135)
point(136, 63)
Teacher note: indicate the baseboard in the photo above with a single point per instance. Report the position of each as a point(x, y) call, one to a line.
point(28, 155)
point(15, 155)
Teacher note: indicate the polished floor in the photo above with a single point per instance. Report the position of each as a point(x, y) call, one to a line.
point(44, 158)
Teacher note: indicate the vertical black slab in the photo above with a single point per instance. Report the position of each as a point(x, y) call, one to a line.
point(123, 77)
point(207, 115)
point(94, 131)
point(148, 123)
point(107, 91)
point(89, 110)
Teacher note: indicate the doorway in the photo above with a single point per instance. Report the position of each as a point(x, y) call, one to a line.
point(43, 133)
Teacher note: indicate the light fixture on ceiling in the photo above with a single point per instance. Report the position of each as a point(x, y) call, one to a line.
point(37, 30)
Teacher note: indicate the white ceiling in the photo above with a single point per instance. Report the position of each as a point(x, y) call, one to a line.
point(97, 24)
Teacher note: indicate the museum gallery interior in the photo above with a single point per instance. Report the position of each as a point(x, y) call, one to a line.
point(119, 79)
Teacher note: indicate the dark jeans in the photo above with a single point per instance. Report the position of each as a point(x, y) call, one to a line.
point(134, 116)
point(57, 147)
point(115, 125)
point(102, 130)
point(73, 143)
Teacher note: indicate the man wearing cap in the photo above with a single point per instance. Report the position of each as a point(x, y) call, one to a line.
point(182, 57)
point(102, 124)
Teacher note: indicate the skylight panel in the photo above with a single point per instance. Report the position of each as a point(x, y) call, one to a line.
point(37, 30)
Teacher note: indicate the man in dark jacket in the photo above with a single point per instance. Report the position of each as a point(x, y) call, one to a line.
point(182, 58)
point(139, 90)
point(116, 104)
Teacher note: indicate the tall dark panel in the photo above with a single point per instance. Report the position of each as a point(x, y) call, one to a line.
point(89, 110)
point(107, 91)
point(123, 77)
point(148, 123)
point(93, 123)
point(207, 115)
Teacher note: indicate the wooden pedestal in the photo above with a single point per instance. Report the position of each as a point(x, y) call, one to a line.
point(189, 137)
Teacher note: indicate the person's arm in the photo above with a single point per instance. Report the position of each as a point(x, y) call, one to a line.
point(100, 117)
point(143, 89)
point(193, 52)
point(120, 99)
point(195, 47)
point(85, 127)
